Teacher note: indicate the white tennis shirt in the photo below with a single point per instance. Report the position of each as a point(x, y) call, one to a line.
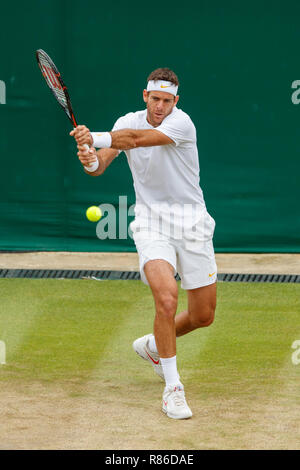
point(166, 178)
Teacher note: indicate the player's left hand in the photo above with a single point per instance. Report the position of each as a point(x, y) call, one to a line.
point(86, 156)
point(82, 135)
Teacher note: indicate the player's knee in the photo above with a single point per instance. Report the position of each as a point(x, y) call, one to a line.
point(166, 305)
point(204, 318)
point(209, 318)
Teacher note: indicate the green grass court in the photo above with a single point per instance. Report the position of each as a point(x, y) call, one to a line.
point(75, 336)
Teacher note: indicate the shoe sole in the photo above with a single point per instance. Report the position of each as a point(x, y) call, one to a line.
point(176, 417)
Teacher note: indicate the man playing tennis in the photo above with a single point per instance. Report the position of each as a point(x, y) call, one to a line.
point(172, 229)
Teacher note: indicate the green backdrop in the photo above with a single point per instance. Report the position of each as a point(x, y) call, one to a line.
point(236, 62)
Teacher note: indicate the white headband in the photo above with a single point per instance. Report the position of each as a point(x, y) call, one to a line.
point(162, 85)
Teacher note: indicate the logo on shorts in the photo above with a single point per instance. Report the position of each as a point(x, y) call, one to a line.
point(210, 275)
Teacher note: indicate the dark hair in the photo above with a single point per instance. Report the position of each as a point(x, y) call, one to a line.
point(164, 74)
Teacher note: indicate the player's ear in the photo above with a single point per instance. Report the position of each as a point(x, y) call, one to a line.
point(176, 100)
point(145, 95)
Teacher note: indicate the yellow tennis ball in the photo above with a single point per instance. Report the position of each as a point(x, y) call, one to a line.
point(94, 213)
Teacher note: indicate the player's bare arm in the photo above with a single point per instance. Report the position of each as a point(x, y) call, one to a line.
point(124, 139)
point(127, 139)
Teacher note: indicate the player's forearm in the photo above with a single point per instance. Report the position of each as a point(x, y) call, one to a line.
point(125, 139)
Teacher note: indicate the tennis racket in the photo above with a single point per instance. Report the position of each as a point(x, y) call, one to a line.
point(56, 84)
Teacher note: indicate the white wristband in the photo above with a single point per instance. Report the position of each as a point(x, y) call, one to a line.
point(93, 167)
point(101, 140)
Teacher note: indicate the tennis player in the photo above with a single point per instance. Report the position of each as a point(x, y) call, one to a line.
point(172, 229)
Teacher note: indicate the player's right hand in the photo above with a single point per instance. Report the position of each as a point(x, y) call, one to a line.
point(86, 156)
point(82, 135)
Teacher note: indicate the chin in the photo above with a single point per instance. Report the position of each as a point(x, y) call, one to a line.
point(158, 121)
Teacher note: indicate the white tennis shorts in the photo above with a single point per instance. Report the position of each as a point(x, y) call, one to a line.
point(192, 255)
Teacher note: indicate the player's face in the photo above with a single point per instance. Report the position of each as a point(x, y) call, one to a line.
point(159, 105)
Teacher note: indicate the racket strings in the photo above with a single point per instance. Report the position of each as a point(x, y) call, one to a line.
point(53, 82)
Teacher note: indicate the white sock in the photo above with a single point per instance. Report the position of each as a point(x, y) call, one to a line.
point(169, 366)
point(152, 344)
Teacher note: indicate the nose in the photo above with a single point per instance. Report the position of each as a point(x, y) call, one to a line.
point(160, 105)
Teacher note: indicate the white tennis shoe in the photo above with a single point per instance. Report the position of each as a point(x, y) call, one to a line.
point(174, 403)
point(141, 347)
